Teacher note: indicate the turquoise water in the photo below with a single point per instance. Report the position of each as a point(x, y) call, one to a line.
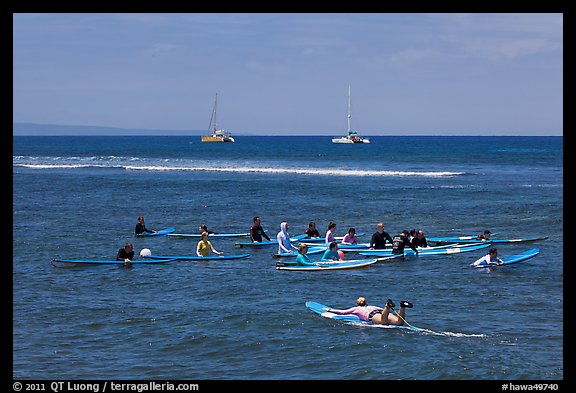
point(78, 197)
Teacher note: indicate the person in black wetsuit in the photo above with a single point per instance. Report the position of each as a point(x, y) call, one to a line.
point(399, 242)
point(379, 237)
point(126, 253)
point(419, 240)
point(256, 231)
point(204, 228)
point(141, 228)
point(312, 231)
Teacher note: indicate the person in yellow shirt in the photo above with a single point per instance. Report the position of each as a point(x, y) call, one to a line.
point(204, 246)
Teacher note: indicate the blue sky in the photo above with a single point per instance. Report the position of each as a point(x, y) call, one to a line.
point(288, 74)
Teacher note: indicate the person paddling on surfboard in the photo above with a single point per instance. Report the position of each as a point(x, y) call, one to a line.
point(141, 228)
point(484, 236)
point(312, 231)
point(126, 253)
point(257, 232)
point(375, 314)
point(490, 259)
point(204, 246)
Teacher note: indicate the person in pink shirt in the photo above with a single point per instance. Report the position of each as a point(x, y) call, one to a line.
point(375, 314)
point(350, 237)
point(329, 238)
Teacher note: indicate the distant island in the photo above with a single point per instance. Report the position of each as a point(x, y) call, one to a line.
point(56, 129)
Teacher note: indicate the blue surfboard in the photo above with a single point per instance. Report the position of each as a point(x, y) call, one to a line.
point(328, 265)
point(520, 257)
point(157, 233)
point(197, 258)
point(320, 309)
point(107, 261)
point(212, 235)
point(433, 251)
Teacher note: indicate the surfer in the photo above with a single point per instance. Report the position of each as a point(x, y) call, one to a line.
point(312, 231)
point(256, 231)
point(283, 237)
point(375, 314)
point(350, 237)
point(204, 246)
point(489, 259)
point(329, 238)
point(419, 239)
point(302, 259)
point(332, 253)
point(484, 236)
point(141, 228)
point(204, 228)
point(379, 237)
point(126, 253)
point(400, 242)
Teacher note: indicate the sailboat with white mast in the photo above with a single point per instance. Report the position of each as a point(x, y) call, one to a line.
point(352, 136)
point(218, 135)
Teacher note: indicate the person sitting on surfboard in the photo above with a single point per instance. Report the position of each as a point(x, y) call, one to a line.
point(375, 314)
point(350, 237)
point(379, 237)
point(204, 228)
point(332, 253)
point(312, 231)
point(141, 228)
point(204, 247)
point(302, 259)
point(329, 238)
point(126, 253)
point(256, 231)
point(490, 259)
point(283, 237)
point(419, 239)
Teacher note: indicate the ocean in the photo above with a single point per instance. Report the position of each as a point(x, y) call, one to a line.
point(78, 197)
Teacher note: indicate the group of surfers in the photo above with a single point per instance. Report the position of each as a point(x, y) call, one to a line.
point(379, 315)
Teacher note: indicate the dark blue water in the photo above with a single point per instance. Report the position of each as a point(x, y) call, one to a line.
point(78, 197)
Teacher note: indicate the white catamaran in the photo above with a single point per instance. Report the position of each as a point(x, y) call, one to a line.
point(218, 135)
point(352, 136)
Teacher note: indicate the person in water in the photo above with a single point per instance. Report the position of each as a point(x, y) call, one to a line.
point(379, 237)
point(350, 237)
point(332, 253)
point(484, 236)
point(256, 231)
point(419, 239)
point(375, 314)
point(283, 237)
point(302, 259)
point(399, 242)
point(312, 231)
point(126, 253)
point(204, 228)
point(141, 227)
point(329, 238)
point(205, 246)
point(489, 259)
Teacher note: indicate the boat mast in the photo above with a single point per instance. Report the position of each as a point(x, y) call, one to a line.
point(349, 129)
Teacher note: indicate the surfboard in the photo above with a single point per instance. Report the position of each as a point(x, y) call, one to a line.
point(266, 243)
point(328, 265)
point(107, 261)
point(157, 233)
point(212, 235)
point(197, 258)
point(322, 239)
point(472, 239)
point(319, 309)
point(423, 252)
point(520, 257)
point(311, 251)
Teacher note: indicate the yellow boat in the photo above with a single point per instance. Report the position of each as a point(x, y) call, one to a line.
point(217, 135)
